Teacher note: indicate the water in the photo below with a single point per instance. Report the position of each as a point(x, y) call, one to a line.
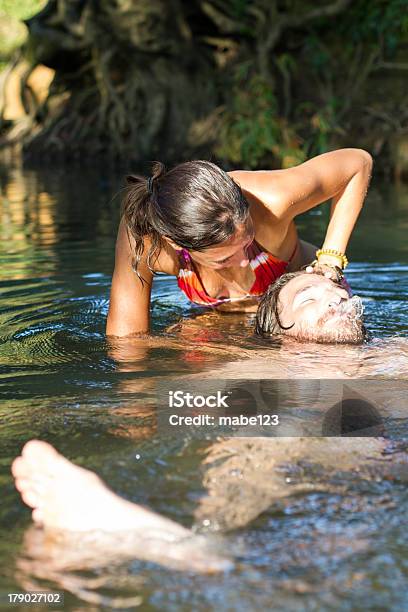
point(311, 525)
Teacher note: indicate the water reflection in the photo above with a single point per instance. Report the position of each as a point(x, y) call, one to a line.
point(283, 480)
point(245, 477)
point(316, 517)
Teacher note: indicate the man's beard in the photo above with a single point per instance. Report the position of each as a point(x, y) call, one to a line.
point(350, 328)
point(353, 333)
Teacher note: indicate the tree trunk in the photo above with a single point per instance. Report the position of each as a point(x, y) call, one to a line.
point(132, 81)
point(254, 83)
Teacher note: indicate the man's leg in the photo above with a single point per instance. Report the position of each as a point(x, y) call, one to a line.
point(66, 496)
point(70, 498)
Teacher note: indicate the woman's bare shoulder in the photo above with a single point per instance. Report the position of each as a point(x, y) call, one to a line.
point(253, 177)
point(265, 185)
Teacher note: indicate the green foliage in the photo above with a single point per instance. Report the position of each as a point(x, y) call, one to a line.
point(252, 132)
point(13, 32)
point(368, 20)
point(21, 9)
point(318, 79)
point(283, 80)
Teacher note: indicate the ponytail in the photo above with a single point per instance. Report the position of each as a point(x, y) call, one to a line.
point(139, 212)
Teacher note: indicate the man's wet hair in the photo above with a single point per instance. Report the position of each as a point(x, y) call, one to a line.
point(268, 321)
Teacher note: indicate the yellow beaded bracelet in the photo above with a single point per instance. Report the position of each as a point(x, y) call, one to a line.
point(334, 253)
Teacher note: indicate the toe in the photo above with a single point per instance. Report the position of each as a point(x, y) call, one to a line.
point(19, 467)
point(30, 498)
point(38, 450)
point(42, 457)
point(37, 515)
point(22, 484)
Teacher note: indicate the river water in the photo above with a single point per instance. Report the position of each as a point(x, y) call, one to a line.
point(311, 523)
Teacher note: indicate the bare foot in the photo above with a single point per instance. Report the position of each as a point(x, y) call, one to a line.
point(69, 498)
point(66, 496)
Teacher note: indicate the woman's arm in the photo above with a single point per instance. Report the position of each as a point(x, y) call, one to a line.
point(129, 306)
point(342, 176)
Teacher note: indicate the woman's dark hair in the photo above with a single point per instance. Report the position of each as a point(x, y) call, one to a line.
point(195, 204)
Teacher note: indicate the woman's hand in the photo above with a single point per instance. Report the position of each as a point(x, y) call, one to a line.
point(329, 271)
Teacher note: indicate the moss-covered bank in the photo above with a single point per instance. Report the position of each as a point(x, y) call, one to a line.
point(250, 83)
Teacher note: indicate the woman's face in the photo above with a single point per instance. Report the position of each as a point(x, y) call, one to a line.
point(232, 252)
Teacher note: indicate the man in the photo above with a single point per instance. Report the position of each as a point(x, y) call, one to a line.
point(68, 498)
point(310, 307)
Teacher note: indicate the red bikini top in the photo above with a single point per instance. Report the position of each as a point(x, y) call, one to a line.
point(266, 266)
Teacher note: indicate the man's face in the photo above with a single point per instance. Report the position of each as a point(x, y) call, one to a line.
point(314, 308)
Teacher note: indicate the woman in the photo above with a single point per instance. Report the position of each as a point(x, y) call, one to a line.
point(227, 236)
